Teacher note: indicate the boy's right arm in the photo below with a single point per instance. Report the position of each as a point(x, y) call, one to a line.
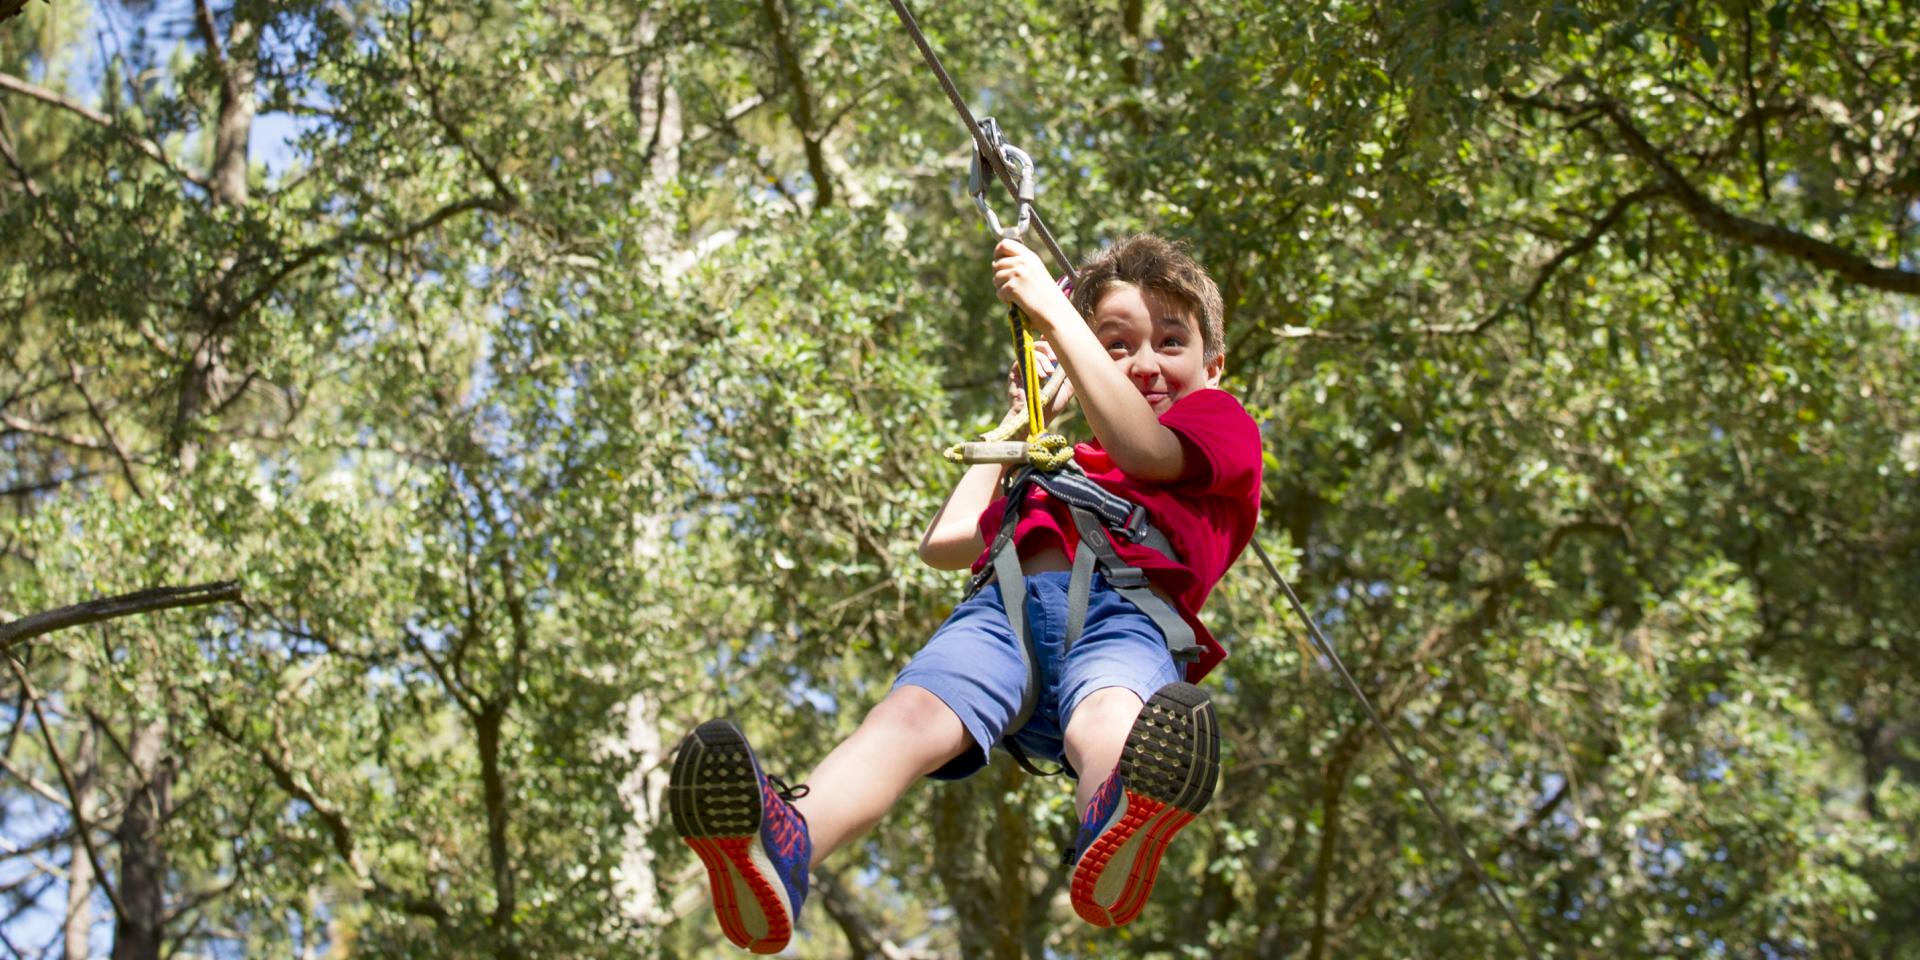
point(953, 540)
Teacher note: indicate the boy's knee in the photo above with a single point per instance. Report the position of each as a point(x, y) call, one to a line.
point(1104, 713)
point(912, 709)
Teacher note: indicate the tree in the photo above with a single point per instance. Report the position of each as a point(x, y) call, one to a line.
point(572, 373)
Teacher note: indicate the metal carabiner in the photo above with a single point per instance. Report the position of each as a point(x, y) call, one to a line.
point(981, 174)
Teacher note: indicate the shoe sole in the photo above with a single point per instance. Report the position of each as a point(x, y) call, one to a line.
point(714, 798)
point(1170, 764)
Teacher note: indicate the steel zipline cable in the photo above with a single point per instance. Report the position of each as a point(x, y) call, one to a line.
point(1406, 766)
point(983, 147)
point(981, 144)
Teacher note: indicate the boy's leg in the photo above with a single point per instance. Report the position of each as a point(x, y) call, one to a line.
point(758, 838)
point(1094, 737)
point(1168, 766)
point(907, 736)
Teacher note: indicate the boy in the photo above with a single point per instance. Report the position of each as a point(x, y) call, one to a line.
point(1145, 362)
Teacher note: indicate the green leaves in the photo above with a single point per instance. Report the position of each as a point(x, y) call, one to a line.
point(543, 385)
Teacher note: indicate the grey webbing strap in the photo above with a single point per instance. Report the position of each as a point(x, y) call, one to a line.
point(1013, 597)
point(1157, 542)
point(1079, 592)
point(1015, 492)
point(1130, 582)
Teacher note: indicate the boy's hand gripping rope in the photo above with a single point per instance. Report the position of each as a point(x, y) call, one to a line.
point(1047, 451)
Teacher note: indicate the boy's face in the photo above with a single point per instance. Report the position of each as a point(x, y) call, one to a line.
point(1157, 343)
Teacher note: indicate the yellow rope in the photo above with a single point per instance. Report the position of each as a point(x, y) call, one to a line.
point(1023, 334)
point(1048, 451)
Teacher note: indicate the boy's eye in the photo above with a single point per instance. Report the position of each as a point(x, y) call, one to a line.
point(1117, 346)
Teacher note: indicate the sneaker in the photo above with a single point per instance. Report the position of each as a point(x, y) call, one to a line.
point(743, 825)
point(1166, 775)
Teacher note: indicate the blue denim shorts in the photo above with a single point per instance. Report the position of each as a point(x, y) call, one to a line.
point(973, 664)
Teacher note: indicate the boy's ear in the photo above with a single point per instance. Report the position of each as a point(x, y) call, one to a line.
point(1215, 367)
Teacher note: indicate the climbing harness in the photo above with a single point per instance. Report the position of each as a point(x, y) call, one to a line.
point(997, 160)
point(1098, 515)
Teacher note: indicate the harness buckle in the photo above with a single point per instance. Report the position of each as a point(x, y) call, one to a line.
point(1127, 578)
point(1135, 529)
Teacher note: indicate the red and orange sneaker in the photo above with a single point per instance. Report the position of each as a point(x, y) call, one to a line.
point(742, 823)
point(1166, 775)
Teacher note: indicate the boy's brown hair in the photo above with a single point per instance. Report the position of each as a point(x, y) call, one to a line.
point(1164, 268)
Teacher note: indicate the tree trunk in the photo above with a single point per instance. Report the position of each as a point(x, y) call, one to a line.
point(641, 753)
point(237, 107)
point(143, 856)
point(655, 102)
point(206, 376)
point(493, 785)
point(143, 853)
point(79, 864)
point(976, 886)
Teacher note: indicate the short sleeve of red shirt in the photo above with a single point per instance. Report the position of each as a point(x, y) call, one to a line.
point(1208, 514)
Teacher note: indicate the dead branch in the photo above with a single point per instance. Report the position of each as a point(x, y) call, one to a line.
point(112, 608)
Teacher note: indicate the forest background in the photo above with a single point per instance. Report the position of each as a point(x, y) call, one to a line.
point(553, 375)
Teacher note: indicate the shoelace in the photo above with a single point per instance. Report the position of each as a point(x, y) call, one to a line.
point(785, 825)
point(784, 792)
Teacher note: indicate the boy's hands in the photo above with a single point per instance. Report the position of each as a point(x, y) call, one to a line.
point(1019, 278)
point(1043, 364)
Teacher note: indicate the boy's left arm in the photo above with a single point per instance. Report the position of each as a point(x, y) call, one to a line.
point(1118, 414)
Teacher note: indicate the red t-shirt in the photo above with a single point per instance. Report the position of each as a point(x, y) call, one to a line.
point(1208, 514)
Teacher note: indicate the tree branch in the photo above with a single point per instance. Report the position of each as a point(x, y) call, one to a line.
point(110, 608)
point(40, 486)
point(1717, 220)
point(144, 145)
point(1598, 229)
point(304, 256)
point(339, 832)
point(810, 136)
point(861, 943)
point(113, 442)
point(18, 425)
point(32, 783)
point(80, 824)
point(203, 19)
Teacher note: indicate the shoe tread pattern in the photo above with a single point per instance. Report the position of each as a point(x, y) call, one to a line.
point(714, 798)
point(1170, 767)
point(714, 790)
point(1173, 751)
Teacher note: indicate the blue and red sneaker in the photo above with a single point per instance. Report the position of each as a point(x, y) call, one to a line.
point(743, 825)
point(1166, 775)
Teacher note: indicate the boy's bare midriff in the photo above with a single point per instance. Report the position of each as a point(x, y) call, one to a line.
point(1046, 561)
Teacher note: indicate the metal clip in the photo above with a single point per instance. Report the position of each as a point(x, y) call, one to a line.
point(981, 174)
